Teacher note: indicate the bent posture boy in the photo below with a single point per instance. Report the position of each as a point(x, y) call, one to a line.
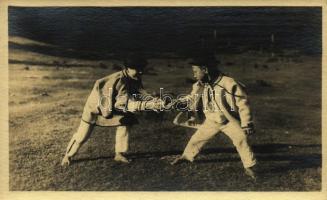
point(113, 101)
point(226, 109)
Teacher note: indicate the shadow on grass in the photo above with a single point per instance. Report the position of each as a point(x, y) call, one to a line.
point(289, 162)
point(293, 162)
point(264, 153)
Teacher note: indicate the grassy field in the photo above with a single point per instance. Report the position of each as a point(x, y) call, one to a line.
point(47, 98)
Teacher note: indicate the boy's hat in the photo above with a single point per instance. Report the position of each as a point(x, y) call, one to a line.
point(135, 61)
point(206, 60)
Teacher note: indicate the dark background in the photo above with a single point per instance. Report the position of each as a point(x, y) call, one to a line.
point(175, 30)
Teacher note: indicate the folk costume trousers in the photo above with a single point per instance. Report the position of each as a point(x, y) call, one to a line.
point(85, 130)
point(209, 129)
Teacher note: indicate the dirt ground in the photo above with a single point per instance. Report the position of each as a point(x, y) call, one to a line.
point(47, 98)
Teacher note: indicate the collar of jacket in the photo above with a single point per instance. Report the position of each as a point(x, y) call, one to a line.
point(220, 76)
point(127, 77)
point(218, 79)
point(124, 72)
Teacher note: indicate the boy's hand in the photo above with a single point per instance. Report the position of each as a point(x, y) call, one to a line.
point(191, 121)
point(155, 105)
point(171, 105)
point(249, 130)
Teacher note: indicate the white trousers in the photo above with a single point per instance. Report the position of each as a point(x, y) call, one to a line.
point(84, 131)
point(209, 129)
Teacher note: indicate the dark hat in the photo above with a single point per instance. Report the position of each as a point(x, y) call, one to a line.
point(206, 60)
point(135, 61)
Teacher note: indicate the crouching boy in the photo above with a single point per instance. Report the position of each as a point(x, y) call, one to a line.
point(113, 101)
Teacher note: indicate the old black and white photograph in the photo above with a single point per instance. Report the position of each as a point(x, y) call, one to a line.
point(179, 99)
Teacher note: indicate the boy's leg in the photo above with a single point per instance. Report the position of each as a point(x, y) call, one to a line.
point(122, 135)
point(83, 133)
point(205, 132)
point(239, 139)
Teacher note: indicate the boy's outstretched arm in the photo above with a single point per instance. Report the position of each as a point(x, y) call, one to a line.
point(242, 103)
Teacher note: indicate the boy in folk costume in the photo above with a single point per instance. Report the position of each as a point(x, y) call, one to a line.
point(113, 101)
point(225, 106)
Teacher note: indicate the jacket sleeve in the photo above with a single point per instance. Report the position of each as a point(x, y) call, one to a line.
point(144, 94)
point(125, 102)
point(104, 96)
point(121, 98)
point(193, 98)
point(242, 103)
